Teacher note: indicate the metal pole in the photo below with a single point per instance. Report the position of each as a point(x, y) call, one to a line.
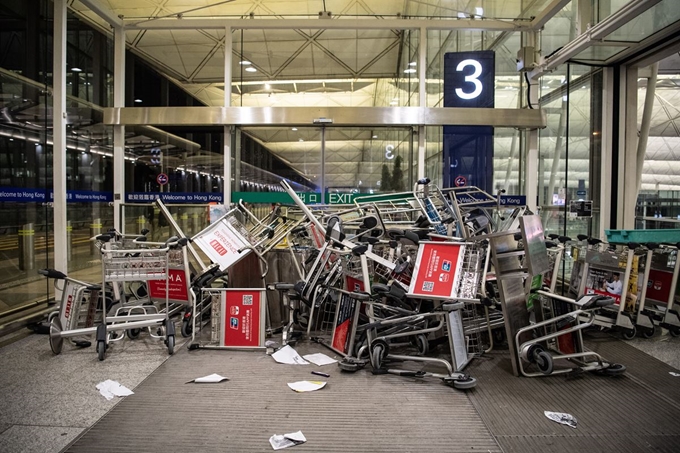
point(59, 136)
point(422, 68)
point(226, 186)
point(323, 165)
point(421, 152)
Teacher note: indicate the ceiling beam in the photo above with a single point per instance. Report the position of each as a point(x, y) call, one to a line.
point(335, 24)
point(102, 11)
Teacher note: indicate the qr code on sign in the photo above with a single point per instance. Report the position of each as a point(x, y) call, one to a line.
point(428, 286)
point(248, 300)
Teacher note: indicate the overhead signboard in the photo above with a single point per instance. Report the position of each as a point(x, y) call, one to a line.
point(469, 81)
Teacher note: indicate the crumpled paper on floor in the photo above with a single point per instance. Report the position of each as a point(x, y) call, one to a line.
point(281, 441)
point(559, 417)
point(110, 388)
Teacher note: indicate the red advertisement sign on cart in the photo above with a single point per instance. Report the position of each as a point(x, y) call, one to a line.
point(437, 270)
point(242, 318)
point(177, 287)
point(345, 317)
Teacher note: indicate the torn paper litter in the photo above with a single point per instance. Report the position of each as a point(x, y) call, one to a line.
point(110, 388)
point(306, 386)
point(280, 441)
point(210, 379)
point(559, 417)
point(319, 359)
point(289, 356)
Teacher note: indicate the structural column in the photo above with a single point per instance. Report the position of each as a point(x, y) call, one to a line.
point(118, 131)
point(226, 187)
point(628, 173)
point(59, 136)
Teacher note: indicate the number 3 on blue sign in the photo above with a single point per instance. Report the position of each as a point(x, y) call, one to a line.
point(472, 78)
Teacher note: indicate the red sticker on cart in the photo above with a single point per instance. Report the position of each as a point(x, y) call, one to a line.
point(177, 284)
point(435, 274)
point(242, 318)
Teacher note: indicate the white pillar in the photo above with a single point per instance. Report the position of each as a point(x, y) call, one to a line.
point(59, 136)
point(118, 130)
point(650, 95)
point(628, 159)
point(226, 187)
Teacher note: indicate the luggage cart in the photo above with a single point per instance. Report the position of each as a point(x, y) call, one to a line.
point(120, 266)
point(435, 206)
point(445, 274)
point(550, 330)
point(225, 242)
point(600, 266)
point(659, 283)
point(77, 312)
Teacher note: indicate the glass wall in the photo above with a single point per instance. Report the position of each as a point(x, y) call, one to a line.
point(569, 150)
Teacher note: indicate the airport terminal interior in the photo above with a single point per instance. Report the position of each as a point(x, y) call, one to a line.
point(339, 225)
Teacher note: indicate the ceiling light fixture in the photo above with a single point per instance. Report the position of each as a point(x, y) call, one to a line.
point(244, 62)
point(393, 103)
point(76, 70)
point(413, 63)
point(138, 101)
point(301, 140)
point(461, 15)
point(375, 136)
point(294, 129)
point(409, 70)
point(479, 11)
point(267, 86)
point(251, 69)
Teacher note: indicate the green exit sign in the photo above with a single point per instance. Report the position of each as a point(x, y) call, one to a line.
point(284, 198)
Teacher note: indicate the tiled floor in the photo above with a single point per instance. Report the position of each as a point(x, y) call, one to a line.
point(46, 401)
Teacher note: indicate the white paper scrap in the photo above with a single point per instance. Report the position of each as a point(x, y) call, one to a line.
point(289, 356)
point(306, 386)
point(559, 417)
point(280, 441)
point(210, 379)
point(110, 388)
point(319, 359)
point(673, 373)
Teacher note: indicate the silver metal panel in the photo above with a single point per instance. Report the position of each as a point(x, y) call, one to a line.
point(340, 116)
point(536, 254)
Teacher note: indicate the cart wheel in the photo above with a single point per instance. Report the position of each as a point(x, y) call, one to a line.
point(615, 369)
point(133, 334)
point(170, 341)
point(629, 334)
point(101, 349)
point(648, 332)
point(465, 383)
point(422, 344)
point(498, 335)
point(379, 352)
point(187, 328)
point(301, 319)
point(544, 362)
point(52, 315)
point(675, 331)
point(56, 342)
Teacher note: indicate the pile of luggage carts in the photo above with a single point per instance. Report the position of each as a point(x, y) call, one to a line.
point(407, 284)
